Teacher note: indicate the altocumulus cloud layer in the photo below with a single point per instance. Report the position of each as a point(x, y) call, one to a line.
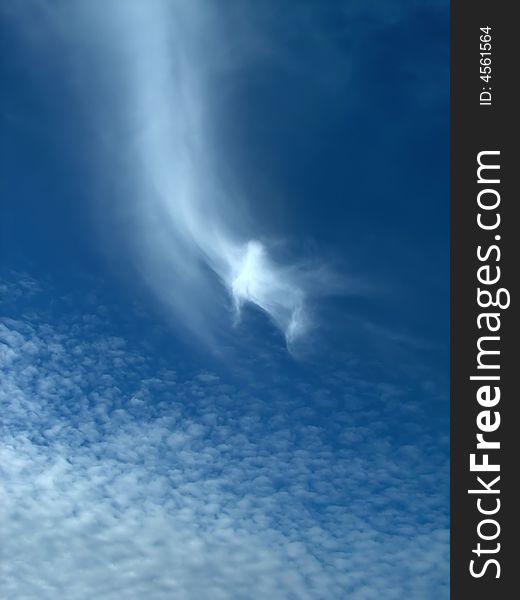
point(123, 479)
point(148, 71)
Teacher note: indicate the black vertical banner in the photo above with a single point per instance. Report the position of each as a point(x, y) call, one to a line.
point(485, 252)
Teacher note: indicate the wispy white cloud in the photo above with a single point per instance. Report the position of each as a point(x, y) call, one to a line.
point(193, 225)
point(148, 72)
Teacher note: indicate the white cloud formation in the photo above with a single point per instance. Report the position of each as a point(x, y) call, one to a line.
point(121, 479)
point(147, 73)
point(192, 224)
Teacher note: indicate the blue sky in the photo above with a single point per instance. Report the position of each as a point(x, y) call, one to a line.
point(225, 296)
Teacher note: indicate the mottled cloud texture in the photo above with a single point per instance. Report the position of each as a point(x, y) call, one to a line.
point(121, 478)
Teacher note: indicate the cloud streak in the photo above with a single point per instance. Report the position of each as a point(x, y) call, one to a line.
point(198, 231)
point(190, 234)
